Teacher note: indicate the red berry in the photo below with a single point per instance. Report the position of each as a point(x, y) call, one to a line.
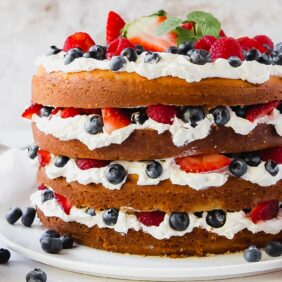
point(154, 218)
point(44, 157)
point(116, 47)
point(222, 33)
point(56, 110)
point(226, 47)
point(91, 163)
point(80, 40)
point(205, 42)
point(33, 109)
point(63, 202)
point(162, 113)
point(264, 42)
point(274, 154)
point(261, 110)
point(247, 43)
point(188, 25)
point(69, 112)
point(114, 25)
point(90, 111)
point(265, 211)
point(41, 187)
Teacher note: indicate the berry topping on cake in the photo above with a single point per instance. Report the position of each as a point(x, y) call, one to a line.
point(247, 43)
point(110, 217)
point(265, 211)
point(271, 167)
point(44, 157)
point(179, 221)
point(117, 46)
point(274, 154)
point(261, 110)
point(63, 202)
point(81, 40)
point(216, 218)
point(162, 113)
point(154, 169)
point(114, 119)
point(69, 112)
point(205, 42)
point(154, 218)
point(91, 163)
point(33, 109)
point(264, 42)
point(203, 163)
point(238, 167)
point(115, 23)
point(115, 173)
point(117, 62)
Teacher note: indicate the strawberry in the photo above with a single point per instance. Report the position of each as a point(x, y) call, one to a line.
point(41, 187)
point(154, 218)
point(162, 113)
point(265, 44)
point(265, 211)
point(116, 47)
point(274, 154)
point(69, 112)
point(188, 25)
point(205, 42)
point(222, 33)
point(203, 163)
point(144, 32)
point(90, 111)
point(247, 43)
point(226, 47)
point(261, 110)
point(114, 119)
point(63, 202)
point(114, 25)
point(33, 109)
point(84, 164)
point(80, 40)
point(44, 157)
point(56, 110)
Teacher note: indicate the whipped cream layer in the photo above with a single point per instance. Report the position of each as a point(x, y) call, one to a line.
point(235, 221)
point(72, 128)
point(171, 171)
point(170, 65)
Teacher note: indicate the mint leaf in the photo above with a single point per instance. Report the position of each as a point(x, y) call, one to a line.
point(206, 23)
point(171, 23)
point(184, 35)
point(159, 13)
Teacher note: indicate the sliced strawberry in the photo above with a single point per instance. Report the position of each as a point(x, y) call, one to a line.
point(56, 110)
point(44, 157)
point(205, 42)
point(41, 187)
point(69, 112)
point(265, 211)
point(33, 109)
point(144, 32)
point(84, 164)
point(274, 154)
point(114, 25)
point(261, 110)
point(203, 163)
point(80, 40)
point(154, 218)
point(114, 119)
point(63, 202)
point(162, 113)
point(116, 47)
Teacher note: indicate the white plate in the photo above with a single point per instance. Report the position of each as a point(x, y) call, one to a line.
point(100, 263)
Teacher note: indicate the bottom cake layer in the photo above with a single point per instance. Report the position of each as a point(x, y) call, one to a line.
point(199, 242)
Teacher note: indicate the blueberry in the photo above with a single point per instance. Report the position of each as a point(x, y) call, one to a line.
point(198, 214)
point(49, 233)
point(139, 49)
point(115, 173)
point(271, 167)
point(96, 52)
point(4, 256)
point(36, 275)
point(221, 115)
point(252, 254)
point(277, 60)
point(32, 151)
point(185, 47)
point(117, 62)
point(216, 218)
point(193, 115)
point(252, 159)
point(240, 111)
point(264, 59)
point(252, 55)
point(278, 47)
point(238, 167)
point(110, 217)
point(51, 245)
point(154, 169)
point(13, 215)
point(234, 61)
point(152, 58)
point(91, 212)
point(94, 125)
point(139, 117)
point(130, 54)
point(47, 195)
point(199, 57)
point(72, 54)
point(173, 50)
point(273, 249)
point(61, 161)
point(67, 241)
point(45, 111)
point(28, 216)
point(179, 221)
point(53, 50)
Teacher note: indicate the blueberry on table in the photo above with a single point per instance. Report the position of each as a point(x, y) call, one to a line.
point(179, 221)
point(51, 245)
point(216, 218)
point(13, 215)
point(273, 249)
point(28, 216)
point(49, 233)
point(36, 275)
point(67, 241)
point(110, 217)
point(4, 256)
point(154, 169)
point(252, 254)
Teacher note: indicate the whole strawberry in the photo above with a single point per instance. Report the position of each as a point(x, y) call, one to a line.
point(80, 40)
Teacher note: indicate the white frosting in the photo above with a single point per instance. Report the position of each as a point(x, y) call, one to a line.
point(182, 133)
point(235, 221)
point(170, 65)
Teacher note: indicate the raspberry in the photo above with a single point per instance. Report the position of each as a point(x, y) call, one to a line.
point(162, 113)
point(222, 33)
point(154, 218)
point(116, 47)
point(80, 40)
point(226, 47)
point(205, 42)
point(247, 43)
point(265, 44)
point(84, 164)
